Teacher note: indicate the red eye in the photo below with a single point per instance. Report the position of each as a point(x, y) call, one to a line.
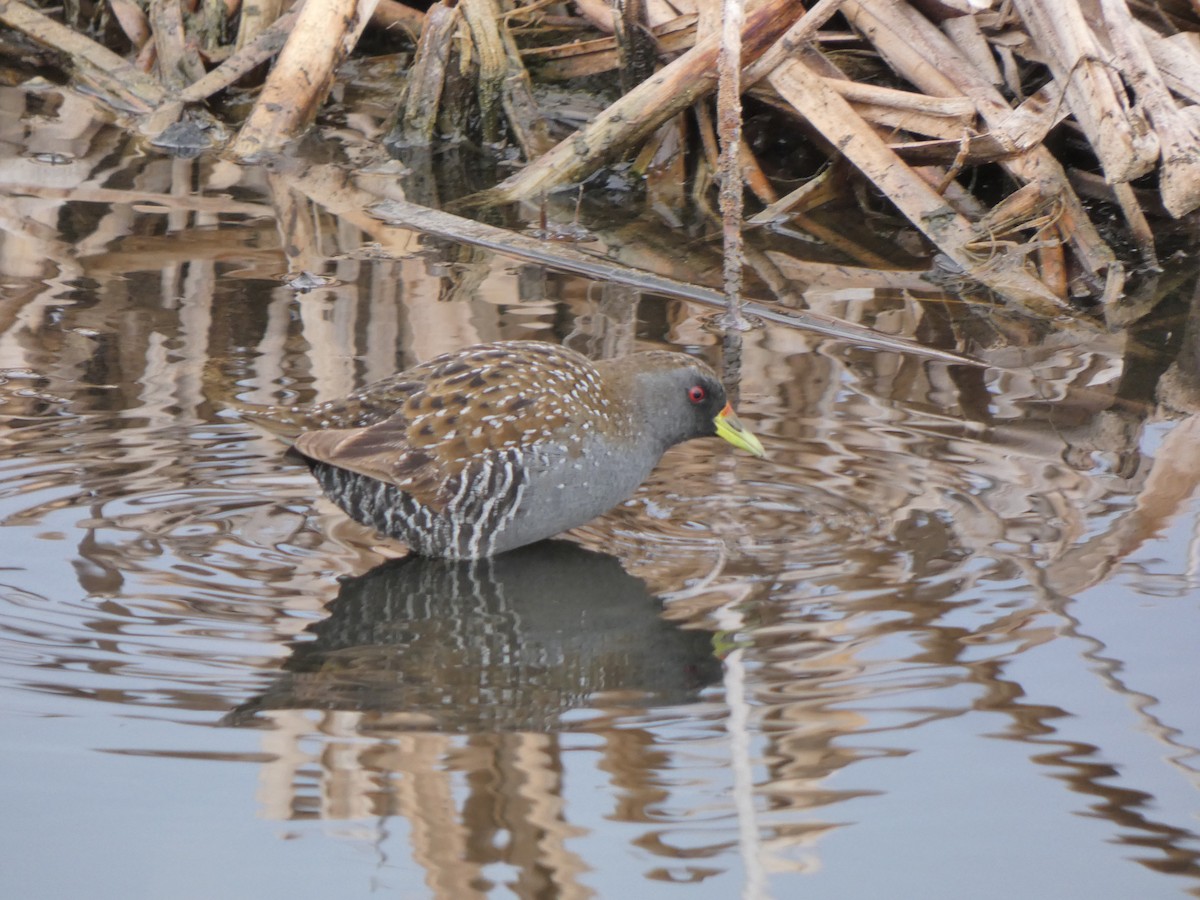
point(697, 394)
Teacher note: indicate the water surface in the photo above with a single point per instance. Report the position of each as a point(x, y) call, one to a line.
point(940, 643)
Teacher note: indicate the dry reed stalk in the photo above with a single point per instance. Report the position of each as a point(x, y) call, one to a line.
point(133, 21)
point(891, 119)
point(178, 64)
point(753, 175)
point(965, 150)
point(1027, 126)
point(1126, 146)
point(708, 133)
point(794, 40)
point(427, 75)
point(579, 59)
point(255, 19)
point(663, 163)
point(814, 192)
point(1177, 59)
point(391, 14)
point(966, 34)
point(959, 109)
point(1178, 138)
point(729, 135)
point(1052, 265)
point(245, 59)
point(1024, 208)
point(302, 75)
point(598, 12)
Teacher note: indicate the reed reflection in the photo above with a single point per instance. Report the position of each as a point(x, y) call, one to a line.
point(505, 644)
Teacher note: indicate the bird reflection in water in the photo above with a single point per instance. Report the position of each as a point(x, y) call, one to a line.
point(503, 644)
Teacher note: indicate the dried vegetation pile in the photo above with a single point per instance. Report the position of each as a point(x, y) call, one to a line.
point(986, 123)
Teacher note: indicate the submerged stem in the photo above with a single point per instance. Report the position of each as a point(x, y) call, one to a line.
point(729, 128)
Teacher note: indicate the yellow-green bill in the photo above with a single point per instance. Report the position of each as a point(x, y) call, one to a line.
point(730, 427)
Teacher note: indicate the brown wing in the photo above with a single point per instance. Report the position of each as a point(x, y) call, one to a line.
point(479, 404)
point(381, 452)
